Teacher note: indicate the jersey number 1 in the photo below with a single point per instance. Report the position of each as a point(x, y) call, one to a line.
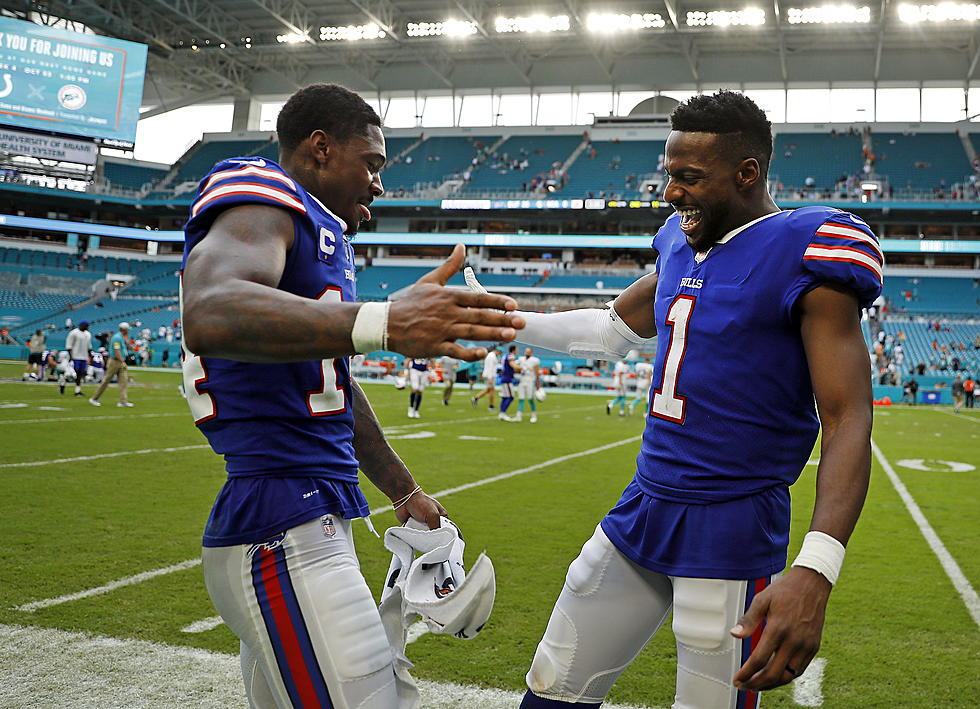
point(666, 403)
point(330, 398)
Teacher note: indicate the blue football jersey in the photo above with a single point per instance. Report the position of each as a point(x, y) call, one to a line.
point(420, 365)
point(507, 370)
point(732, 419)
point(286, 429)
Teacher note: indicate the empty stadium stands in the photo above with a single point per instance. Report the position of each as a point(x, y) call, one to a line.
point(131, 175)
point(822, 156)
point(433, 160)
point(606, 171)
point(920, 160)
point(539, 154)
point(933, 295)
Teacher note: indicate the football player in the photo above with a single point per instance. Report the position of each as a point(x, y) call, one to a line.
point(507, 383)
point(621, 370)
point(270, 319)
point(418, 373)
point(644, 376)
point(768, 302)
point(529, 367)
point(79, 345)
point(489, 376)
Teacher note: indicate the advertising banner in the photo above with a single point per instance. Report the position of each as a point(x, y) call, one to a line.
point(68, 82)
point(48, 147)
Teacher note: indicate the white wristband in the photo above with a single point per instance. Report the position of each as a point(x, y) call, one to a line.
point(822, 553)
point(370, 331)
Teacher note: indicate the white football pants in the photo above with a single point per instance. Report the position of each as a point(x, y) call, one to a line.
point(310, 631)
point(610, 608)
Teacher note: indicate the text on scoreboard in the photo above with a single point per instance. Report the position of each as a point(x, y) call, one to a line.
point(68, 82)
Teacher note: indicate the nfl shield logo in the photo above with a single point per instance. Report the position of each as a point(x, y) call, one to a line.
point(329, 530)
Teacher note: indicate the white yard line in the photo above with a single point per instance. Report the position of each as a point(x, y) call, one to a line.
point(142, 451)
point(960, 416)
point(203, 626)
point(520, 471)
point(111, 586)
point(807, 688)
point(952, 569)
point(490, 418)
point(47, 667)
point(62, 419)
point(139, 578)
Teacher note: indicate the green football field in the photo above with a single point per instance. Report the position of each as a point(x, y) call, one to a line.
point(101, 512)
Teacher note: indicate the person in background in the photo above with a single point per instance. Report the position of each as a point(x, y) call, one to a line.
point(489, 376)
point(529, 367)
point(620, 372)
point(35, 348)
point(79, 346)
point(449, 365)
point(116, 367)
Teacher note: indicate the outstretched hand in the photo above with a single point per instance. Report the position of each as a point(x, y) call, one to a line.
point(793, 609)
point(428, 320)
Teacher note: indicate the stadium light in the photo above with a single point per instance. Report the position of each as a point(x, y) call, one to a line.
point(944, 12)
point(351, 33)
point(448, 28)
point(725, 18)
point(293, 37)
point(828, 15)
point(534, 23)
point(609, 22)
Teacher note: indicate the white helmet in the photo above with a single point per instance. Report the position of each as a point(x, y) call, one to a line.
point(435, 585)
point(540, 394)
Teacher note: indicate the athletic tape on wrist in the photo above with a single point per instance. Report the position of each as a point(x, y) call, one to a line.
point(822, 553)
point(370, 331)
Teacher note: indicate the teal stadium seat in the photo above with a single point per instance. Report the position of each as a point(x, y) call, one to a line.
point(797, 156)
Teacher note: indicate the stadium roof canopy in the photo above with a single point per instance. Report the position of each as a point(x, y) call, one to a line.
point(203, 50)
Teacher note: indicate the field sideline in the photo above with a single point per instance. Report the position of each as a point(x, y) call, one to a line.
point(101, 513)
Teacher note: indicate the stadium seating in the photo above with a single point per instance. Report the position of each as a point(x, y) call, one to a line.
point(920, 160)
point(540, 151)
point(129, 175)
point(433, 160)
point(797, 156)
point(199, 162)
point(613, 161)
point(918, 336)
point(933, 295)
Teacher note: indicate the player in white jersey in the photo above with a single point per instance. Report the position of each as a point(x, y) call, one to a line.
point(489, 376)
point(529, 367)
point(644, 375)
point(79, 346)
point(620, 372)
point(66, 370)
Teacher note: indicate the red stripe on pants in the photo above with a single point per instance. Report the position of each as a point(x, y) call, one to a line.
point(287, 633)
point(752, 698)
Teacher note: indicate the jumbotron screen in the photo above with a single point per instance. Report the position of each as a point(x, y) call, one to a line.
point(71, 83)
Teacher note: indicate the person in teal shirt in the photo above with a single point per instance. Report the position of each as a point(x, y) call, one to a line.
point(115, 365)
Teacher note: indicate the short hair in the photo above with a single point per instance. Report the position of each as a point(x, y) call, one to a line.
point(337, 111)
point(728, 113)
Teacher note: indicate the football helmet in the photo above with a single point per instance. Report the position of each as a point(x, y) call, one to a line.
point(540, 394)
point(436, 585)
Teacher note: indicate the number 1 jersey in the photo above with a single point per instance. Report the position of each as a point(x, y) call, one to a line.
point(732, 420)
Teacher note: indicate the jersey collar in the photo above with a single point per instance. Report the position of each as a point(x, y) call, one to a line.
point(343, 224)
point(702, 255)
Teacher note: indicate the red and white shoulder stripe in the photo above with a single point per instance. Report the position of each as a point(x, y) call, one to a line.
point(830, 230)
point(250, 181)
point(848, 254)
